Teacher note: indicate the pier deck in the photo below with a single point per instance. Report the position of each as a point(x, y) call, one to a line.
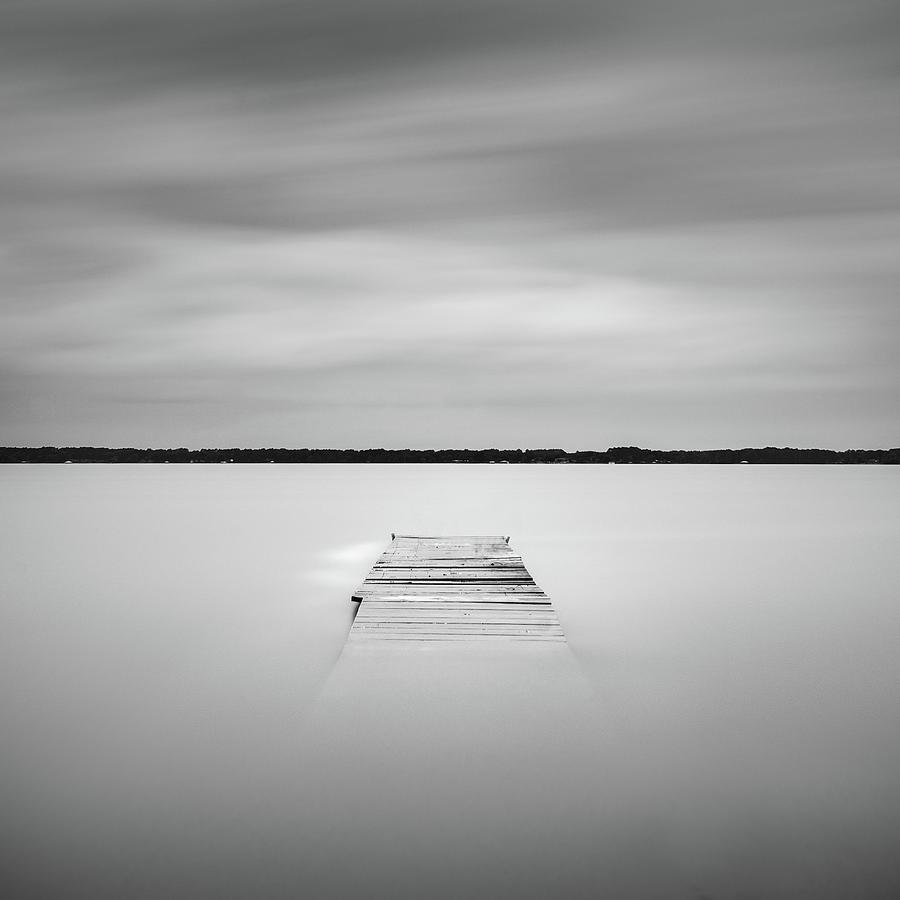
point(452, 588)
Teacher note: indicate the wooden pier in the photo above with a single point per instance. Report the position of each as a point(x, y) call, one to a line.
point(452, 588)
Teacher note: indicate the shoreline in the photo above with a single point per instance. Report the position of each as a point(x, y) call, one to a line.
point(612, 456)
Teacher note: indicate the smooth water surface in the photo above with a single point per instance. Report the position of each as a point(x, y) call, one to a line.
point(178, 721)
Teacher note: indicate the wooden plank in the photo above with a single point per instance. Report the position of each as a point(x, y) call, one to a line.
point(394, 570)
point(442, 635)
point(441, 573)
point(463, 603)
point(487, 610)
point(454, 597)
point(448, 563)
point(471, 553)
point(433, 608)
point(462, 627)
point(461, 621)
point(485, 596)
point(501, 603)
point(441, 624)
point(445, 615)
point(414, 633)
point(455, 586)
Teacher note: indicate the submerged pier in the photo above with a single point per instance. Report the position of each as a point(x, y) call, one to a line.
point(452, 588)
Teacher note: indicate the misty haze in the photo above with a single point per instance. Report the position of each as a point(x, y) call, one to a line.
point(177, 722)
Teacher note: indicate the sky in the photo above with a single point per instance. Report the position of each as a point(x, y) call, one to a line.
point(486, 223)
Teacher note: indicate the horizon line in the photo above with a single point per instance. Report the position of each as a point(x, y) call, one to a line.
point(533, 449)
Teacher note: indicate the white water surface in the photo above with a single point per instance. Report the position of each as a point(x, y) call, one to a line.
point(178, 720)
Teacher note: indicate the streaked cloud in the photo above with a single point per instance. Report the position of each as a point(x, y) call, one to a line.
point(402, 223)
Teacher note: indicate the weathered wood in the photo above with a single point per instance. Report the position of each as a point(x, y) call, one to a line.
point(452, 588)
point(472, 620)
point(441, 573)
point(432, 604)
point(467, 565)
point(437, 588)
point(484, 611)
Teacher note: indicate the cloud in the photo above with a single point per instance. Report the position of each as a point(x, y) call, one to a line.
point(563, 216)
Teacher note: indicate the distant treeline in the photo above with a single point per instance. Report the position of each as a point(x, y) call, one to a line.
point(612, 455)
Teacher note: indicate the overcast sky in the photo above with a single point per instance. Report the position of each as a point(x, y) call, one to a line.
point(472, 223)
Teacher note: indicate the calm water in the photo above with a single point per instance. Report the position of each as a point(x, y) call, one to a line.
point(178, 721)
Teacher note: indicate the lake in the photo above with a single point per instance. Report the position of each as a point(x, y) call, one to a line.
point(178, 720)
